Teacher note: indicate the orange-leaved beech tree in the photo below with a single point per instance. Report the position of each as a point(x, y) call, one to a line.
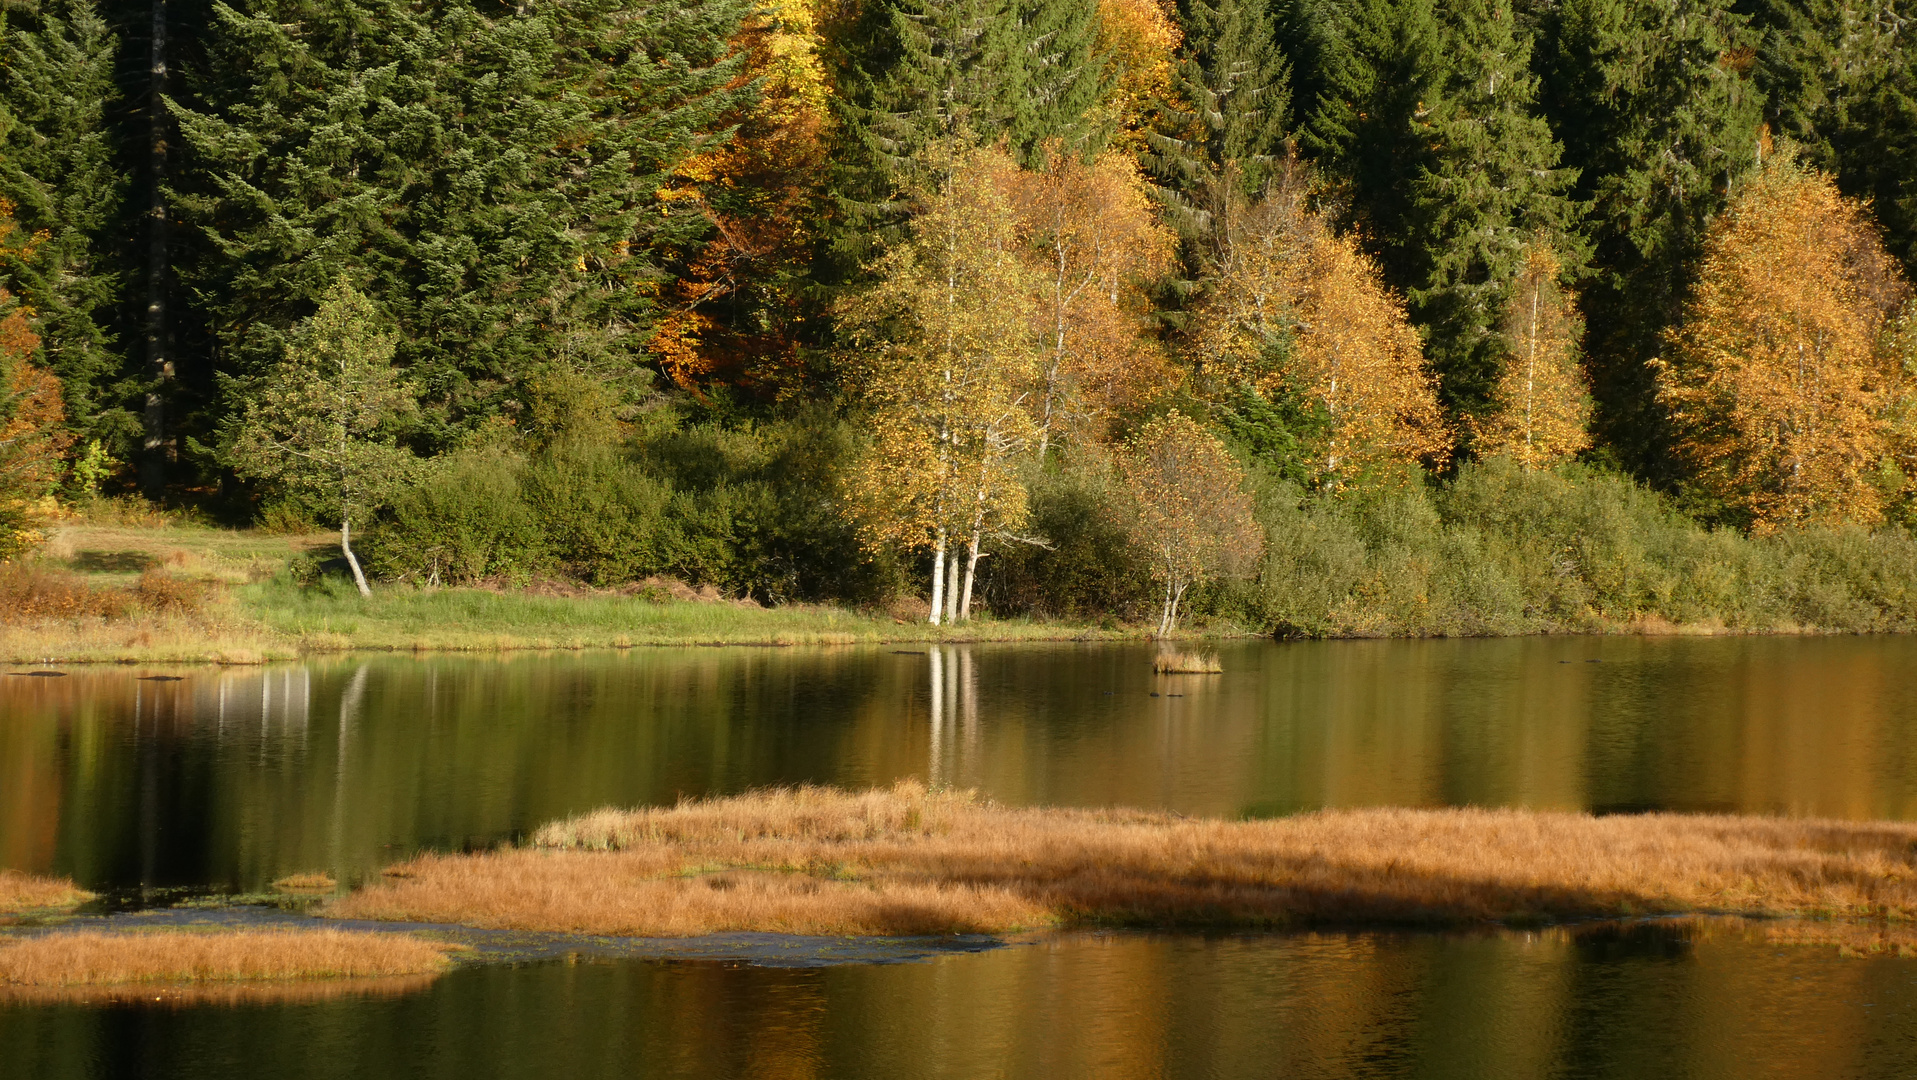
point(1190, 512)
point(33, 434)
point(1093, 240)
point(735, 305)
point(1541, 407)
point(1291, 306)
point(1777, 380)
point(945, 340)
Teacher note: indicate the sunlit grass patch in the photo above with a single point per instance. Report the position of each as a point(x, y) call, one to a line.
point(908, 861)
point(87, 958)
point(27, 892)
point(312, 881)
point(1186, 663)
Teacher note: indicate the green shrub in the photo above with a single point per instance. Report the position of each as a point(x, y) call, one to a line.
point(1087, 566)
point(602, 518)
point(466, 520)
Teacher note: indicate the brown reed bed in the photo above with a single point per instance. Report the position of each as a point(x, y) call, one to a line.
point(1186, 663)
point(89, 958)
point(21, 893)
point(908, 861)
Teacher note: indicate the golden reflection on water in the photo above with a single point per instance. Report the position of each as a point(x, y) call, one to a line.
point(235, 777)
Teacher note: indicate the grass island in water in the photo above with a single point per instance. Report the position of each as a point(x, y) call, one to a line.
point(906, 860)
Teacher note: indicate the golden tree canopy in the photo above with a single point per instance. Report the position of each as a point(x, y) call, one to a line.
point(1775, 380)
point(1541, 407)
point(946, 351)
point(1191, 512)
point(1291, 304)
point(1093, 240)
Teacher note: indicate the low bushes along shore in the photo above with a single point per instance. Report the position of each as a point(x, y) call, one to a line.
point(911, 861)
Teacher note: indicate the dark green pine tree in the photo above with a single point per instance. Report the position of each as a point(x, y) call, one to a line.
point(1659, 113)
point(920, 74)
point(1837, 76)
point(1877, 151)
point(1817, 58)
point(1383, 68)
point(1218, 136)
point(57, 168)
point(1489, 184)
point(501, 182)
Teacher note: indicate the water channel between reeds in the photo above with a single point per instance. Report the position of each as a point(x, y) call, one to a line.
point(158, 785)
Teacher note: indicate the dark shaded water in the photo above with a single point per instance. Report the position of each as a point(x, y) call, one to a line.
point(226, 780)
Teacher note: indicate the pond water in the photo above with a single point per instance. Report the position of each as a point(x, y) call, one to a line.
point(221, 780)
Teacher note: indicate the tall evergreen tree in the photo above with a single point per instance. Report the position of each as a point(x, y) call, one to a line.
point(1489, 186)
point(916, 73)
point(1217, 136)
point(1386, 63)
point(496, 182)
point(57, 168)
point(1655, 103)
point(1429, 123)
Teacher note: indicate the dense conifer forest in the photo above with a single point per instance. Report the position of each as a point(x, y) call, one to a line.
point(1319, 316)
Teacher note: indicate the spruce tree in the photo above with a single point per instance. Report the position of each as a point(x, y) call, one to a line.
point(1386, 63)
point(500, 183)
point(1429, 124)
point(1217, 137)
point(928, 79)
point(1658, 112)
point(1489, 185)
point(57, 168)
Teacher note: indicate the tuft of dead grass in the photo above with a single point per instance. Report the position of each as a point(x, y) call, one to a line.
point(89, 958)
point(311, 881)
point(27, 892)
point(908, 861)
point(1186, 663)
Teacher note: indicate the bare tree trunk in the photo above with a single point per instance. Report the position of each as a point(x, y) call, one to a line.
point(951, 588)
point(938, 578)
point(971, 575)
point(346, 545)
point(154, 443)
point(1165, 613)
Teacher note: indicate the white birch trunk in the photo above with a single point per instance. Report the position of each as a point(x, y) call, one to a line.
point(951, 588)
point(971, 575)
point(346, 545)
point(938, 578)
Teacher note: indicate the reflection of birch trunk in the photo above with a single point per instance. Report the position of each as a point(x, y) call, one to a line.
point(348, 706)
point(968, 697)
point(936, 655)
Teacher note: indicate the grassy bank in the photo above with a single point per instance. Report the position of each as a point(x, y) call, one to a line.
point(909, 861)
point(165, 591)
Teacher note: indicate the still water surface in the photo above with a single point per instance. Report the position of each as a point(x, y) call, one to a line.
point(227, 779)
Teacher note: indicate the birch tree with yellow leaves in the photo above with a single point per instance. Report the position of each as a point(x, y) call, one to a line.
point(1291, 305)
point(1190, 510)
point(946, 345)
point(1777, 381)
point(1093, 239)
point(1541, 407)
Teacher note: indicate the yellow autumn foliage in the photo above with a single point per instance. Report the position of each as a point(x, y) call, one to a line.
point(1541, 406)
point(1292, 305)
point(1777, 382)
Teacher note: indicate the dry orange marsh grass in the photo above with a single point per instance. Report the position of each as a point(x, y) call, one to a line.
point(85, 958)
point(909, 861)
point(26, 892)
